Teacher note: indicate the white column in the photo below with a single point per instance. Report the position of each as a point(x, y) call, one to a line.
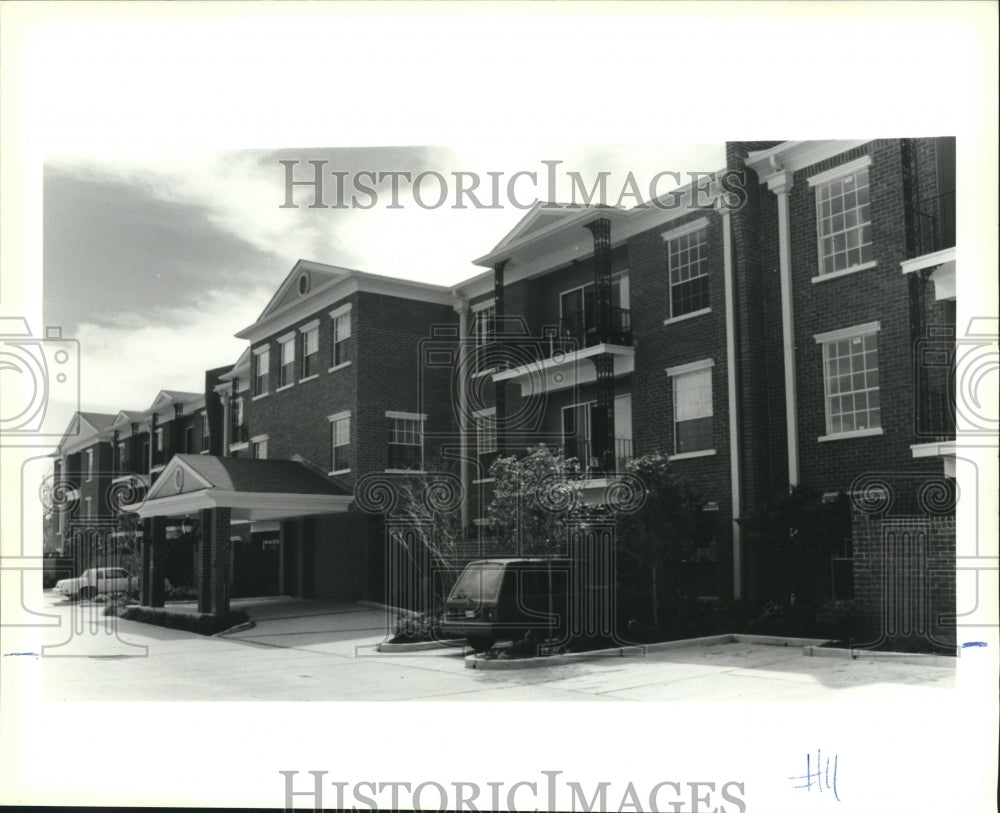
point(734, 426)
point(462, 308)
point(780, 183)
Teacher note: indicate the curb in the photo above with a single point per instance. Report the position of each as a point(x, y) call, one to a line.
point(419, 646)
point(375, 605)
point(246, 625)
point(476, 662)
point(917, 658)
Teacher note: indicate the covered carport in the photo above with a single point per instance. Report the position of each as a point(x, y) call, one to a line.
point(217, 492)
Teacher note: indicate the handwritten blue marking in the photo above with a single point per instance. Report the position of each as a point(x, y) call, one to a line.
point(973, 643)
point(815, 778)
point(9, 654)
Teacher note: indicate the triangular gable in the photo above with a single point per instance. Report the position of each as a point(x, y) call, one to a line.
point(126, 418)
point(304, 279)
point(162, 399)
point(72, 431)
point(538, 218)
point(168, 397)
point(80, 429)
point(177, 477)
point(242, 363)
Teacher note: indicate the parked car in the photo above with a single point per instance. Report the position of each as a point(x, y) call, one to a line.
point(97, 580)
point(503, 599)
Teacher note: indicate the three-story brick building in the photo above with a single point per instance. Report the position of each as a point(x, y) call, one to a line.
point(792, 329)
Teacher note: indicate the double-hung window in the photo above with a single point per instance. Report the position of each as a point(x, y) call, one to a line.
point(486, 431)
point(687, 266)
point(259, 447)
point(850, 380)
point(340, 442)
point(286, 372)
point(483, 326)
point(843, 217)
point(262, 363)
point(204, 431)
point(90, 464)
point(341, 335)
point(692, 392)
point(406, 441)
point(309, 339)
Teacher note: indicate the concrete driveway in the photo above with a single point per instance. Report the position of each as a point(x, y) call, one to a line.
point(316, 650)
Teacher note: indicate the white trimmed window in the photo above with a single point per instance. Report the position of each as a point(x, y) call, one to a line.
point(692, 390)
point(259, 447)
point(406, 441)
point(90, 464)
point(286, 372)
point(341, 333)
point(237, 421)
point(159, 440)
point(261, 368)
point(340, 442)
point(843, 218)
point(309, 338)
point(687, 266)
point(204, 430)
point(850, 380)
point(483, 325)
point(122, 463)
point(486, 431)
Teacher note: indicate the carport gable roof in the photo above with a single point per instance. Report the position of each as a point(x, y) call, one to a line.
point(251, 489)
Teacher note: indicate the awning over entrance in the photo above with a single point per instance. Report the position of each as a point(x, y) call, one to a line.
point(251, 489)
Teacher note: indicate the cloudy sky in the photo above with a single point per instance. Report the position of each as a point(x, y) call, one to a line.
point(153, 260)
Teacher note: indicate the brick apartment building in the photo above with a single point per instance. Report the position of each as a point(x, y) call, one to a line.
point(803, 336)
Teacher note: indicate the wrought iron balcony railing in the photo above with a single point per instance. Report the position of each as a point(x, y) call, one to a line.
point(583, 451)
point(580, 331)
point(933, 222)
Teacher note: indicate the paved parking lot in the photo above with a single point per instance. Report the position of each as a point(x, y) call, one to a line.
point(317, 650)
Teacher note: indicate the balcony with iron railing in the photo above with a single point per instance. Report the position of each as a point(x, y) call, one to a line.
point(238, 433)
point(583, 451)
point(935, 416)
point(564, 358)
point(580, 331)
point(933, 221)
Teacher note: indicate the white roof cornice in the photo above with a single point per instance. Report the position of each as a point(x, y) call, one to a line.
point(796, 155)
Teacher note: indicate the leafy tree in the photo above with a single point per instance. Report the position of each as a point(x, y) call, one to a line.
point(533, 497)
point(792, 536)
point(435, 523)
point(662, 532)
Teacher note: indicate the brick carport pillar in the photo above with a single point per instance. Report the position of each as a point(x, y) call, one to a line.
point(216, 537)
point(203, 562)
point(154, 554)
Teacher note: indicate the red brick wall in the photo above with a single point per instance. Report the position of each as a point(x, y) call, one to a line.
point(904, 577)
point(383, 375)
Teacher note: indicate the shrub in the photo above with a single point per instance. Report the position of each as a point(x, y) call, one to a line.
point(839, 620)
point(201, 623)
point(412, 629)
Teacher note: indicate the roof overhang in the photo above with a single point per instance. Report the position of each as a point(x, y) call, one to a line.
point(339, 284)
point(249, 506)
point(180, 490)
point(568, 370)
point(943, 275)
point(791, 156)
